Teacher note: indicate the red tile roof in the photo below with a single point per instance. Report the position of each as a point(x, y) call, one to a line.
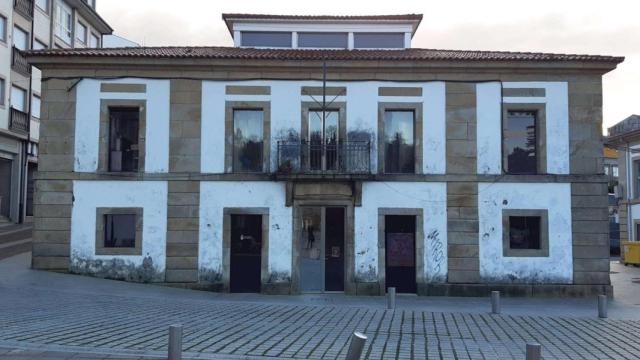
point(413, 54)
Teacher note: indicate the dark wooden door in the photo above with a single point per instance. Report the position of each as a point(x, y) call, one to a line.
point(334, 249)
point(246, 253)
point(400, 252)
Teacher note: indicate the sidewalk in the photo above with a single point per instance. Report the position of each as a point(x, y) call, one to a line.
point(73, 314)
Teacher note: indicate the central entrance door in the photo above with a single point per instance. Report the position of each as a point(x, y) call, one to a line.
point(246, 253)
point(323, 140)
point(321, 238)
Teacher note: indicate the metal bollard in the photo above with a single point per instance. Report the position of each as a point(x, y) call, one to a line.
point(602, 306)
point(175, 342)
point(534, 351)
point(357, 345)
point(495, 302)
point(391, 298)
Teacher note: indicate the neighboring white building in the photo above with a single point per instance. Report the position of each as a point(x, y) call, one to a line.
point(326, 153)
point(25, 25)
point(115, 41)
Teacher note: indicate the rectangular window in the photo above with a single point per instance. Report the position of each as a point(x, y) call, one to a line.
point(39, 45)
point(3, 28)
point(248, 140)
point(636, 186)
point(43, 5)
point(19, 98)
point(3, 94)
point(63, 22)
point(20, 38)
point(81, 32)
point(266, 38)
point(520, 142)
point(35, 107)
point(323, 40)
point(614, 170)
point(378, 40)
point(94, 41)
point(399, 149)
point(120, 230)
point(524, 232)
point(123, 139)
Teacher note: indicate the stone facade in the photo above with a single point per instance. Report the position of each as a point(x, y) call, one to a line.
point(186, 159)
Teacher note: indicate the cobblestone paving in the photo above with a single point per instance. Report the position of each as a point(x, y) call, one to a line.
point(34, 316)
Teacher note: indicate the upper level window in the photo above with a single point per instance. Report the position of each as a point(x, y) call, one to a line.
point(248, 140)
point(20, 38)
point(81, 33)
point(3, 28)
point(399, 149)
point(123, 139)
point(2, 92)
point(63, 21)
point(266, 38)
point(378, 40)
point(323, 40)
point(35, 107)
point(520, 143)
point(43, 5)
point(39, 45)
point(94, 41)
point(19, 98)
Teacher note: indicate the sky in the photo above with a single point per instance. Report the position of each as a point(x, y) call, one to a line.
point(599, 27)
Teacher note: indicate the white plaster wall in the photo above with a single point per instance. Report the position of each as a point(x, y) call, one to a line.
point(489, 117)
point(362, 115)
point(87, 130)
point(431, 197)
point(149, 195)
point(215, 196)
point(556, 199)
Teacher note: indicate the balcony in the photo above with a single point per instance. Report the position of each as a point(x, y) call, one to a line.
point(19, 121)
point(19, 62)
point(24, 7)
point(301, 158)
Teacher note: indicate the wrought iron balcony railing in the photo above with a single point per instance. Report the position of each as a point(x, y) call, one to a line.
point(19, 121)
point(24, 7)
point(309, 158)
point(19, 62)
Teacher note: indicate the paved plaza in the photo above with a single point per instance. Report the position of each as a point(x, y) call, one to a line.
point(58, 316)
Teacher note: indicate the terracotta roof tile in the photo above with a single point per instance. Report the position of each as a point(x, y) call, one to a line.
point(413, 54)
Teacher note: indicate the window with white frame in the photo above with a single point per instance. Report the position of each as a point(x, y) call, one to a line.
point(81, 32)
point(63, 22)
point(20, 38)
point(19, 98)
point(3, 28)
point(35, 106)
point(94, 41)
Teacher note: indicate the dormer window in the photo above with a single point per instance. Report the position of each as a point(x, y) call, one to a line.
point(266, 39)
point(378, 40)
point(323, 40)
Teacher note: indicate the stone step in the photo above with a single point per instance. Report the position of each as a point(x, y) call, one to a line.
point(15, 248)
point(19, 232)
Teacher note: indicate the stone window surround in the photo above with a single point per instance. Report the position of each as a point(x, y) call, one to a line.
point(103, 150)
point(230, 107)
point(309, 106)
point(541, 131)
point(226, 242)
point(419, 242)
point(417, 108)
point(544, 233)
point(101, 212)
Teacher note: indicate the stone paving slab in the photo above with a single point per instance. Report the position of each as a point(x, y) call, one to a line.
point(105, 322)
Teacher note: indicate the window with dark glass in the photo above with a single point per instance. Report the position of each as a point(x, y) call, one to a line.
point(323, 140)
point(266, 38)
point(120, 230)
point(378, 40)
point(123, 139)
point(248, 140)
point(520, 143)
point(524, 232)
point(399, 149)
point(323, 40)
